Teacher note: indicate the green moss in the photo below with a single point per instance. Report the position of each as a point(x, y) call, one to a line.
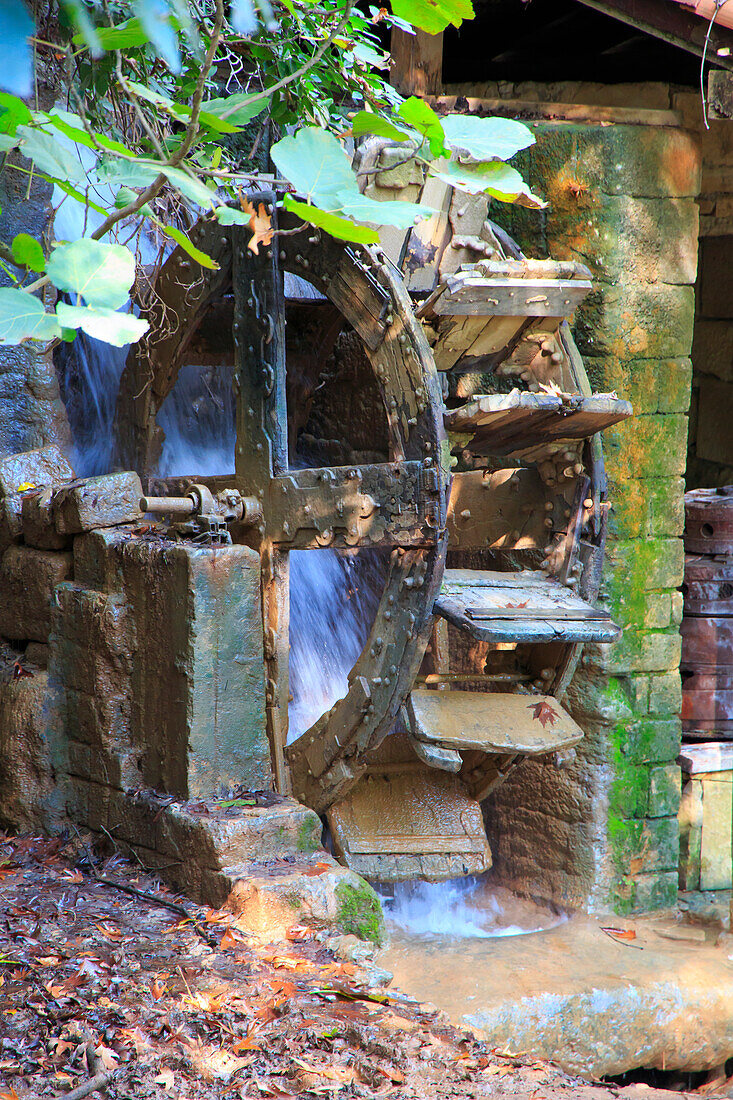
point(359, 912)
point(309, 835)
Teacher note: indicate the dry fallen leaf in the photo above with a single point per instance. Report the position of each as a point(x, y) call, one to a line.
point(544, 713)
point(621, 933)
point(109, 931)
point(166, 1078)
point(260, 223)
point(73, 876)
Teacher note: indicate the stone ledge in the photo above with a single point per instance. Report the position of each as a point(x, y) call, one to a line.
point(265, 864)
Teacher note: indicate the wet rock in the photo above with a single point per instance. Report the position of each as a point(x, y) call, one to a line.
point(38, 525)
point(28, 578)
point(318, 892)
point(29, 754)
point(103, 501)
point(42, 468)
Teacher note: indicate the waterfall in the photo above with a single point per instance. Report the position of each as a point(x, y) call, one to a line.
point(333, 594)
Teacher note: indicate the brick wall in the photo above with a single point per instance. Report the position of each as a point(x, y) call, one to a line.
point(623, 200)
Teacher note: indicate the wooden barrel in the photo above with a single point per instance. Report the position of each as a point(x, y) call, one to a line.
point(707, 625)
point(708, 585)
point(709, 521)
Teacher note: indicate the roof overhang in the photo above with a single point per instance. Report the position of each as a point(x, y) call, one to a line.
point(688, 24)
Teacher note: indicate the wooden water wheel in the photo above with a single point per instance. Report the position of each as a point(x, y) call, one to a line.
point(524, 518)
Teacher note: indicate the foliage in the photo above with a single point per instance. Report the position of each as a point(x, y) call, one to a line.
point(176, 106)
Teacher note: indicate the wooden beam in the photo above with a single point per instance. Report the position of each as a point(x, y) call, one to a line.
point(417, 63)
point(671, 23)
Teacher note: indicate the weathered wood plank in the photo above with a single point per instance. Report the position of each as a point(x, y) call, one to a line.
point(510, 297)
point(531, 608)
point(503, 510)
point(494, 722)
point(506, 423)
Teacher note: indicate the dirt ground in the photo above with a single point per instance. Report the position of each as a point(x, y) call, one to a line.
point(157, 997)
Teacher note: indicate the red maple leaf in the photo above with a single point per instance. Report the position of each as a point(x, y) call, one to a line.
point(544, 713)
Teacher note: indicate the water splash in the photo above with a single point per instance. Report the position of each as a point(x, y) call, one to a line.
point(333, 599)
point(466, 908)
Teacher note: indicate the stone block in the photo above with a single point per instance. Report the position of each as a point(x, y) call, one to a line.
point(38, 525)
point(31, 755)
point(715, 266)
point(650, 740)
point(28, 578)
point(636, 567)
point(636, 322)
point(98, 558)
point(651, 385)
point(627, 239)
point(44, 467)
point(658, 611)
point(628, 796)
point(647, 447)
point(655, 891)
point(646, 508)
point(103, 501)
point(665, 693)
point(638, 651)
point(664, 790)
point(661, 844)
point(715, 850)
point(33, 469)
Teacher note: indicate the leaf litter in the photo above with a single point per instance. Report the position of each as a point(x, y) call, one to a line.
point(94, 982)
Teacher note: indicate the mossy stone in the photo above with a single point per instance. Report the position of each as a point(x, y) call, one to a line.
point(359, 912)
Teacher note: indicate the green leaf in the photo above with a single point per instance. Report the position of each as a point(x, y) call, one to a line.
point(71, 125)
point(316, 165)
point(235, 109)
point(101, 273)
point(229, 215)
point(113, 328)
point(364, 122)
point(50, 156)
point(7, 143)
point(482, 139)
point(492, 177)
point(22, 317)
point(370, 58)
point(121, 37)
point(191, 188)
point(16, 27)
point(27, 252)
point(87, 31)
point(363, 209)
point(156, 22)
point(13, 113)
point(341, 228)
point(433, 16)
point(188, 246)
point(424, 119)
point(125, 196)
point(125, 173)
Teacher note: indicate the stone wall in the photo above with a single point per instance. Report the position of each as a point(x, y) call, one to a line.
point(622, 200)
point(127, 660)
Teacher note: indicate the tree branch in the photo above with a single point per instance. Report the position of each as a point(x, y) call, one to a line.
point(267, 92)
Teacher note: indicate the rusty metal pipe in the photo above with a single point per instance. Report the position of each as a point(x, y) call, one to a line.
point(171, 506)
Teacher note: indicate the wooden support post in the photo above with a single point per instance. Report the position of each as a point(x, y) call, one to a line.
point(417, 63)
